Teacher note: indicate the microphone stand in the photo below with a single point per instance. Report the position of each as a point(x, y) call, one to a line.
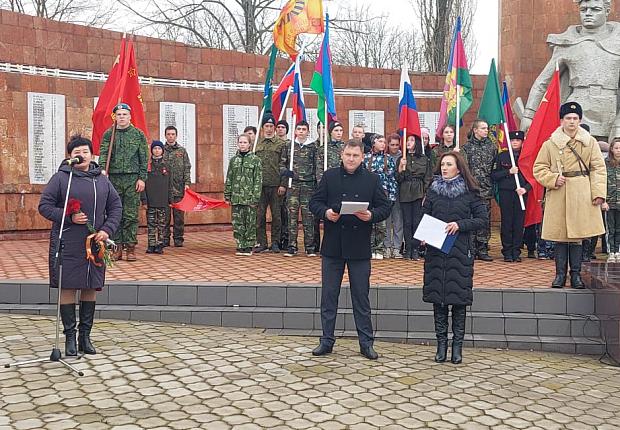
point(56, 355)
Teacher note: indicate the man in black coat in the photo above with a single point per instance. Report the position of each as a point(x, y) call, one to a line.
point(346, 241)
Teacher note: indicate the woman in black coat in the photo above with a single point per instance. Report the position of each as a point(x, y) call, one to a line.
point(453, 197)
point(95, 203)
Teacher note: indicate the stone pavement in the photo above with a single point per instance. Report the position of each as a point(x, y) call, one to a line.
point(168, 376)
point(209, 257)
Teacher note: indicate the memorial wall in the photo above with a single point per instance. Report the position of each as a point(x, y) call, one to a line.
point(51, 74)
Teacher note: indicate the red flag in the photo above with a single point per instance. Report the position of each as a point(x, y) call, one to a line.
point(131, 93)
point(122, 85)
point(193, 202)
point(545, 122)
point(108, 98)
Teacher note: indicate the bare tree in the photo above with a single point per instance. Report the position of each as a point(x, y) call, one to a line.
point(242, 25)
point(437, 21)
point(75, 11)
point(364, 39)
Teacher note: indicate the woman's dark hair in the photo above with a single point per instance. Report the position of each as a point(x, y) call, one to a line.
point(470, 181)
point(441, 139)
point(612, 161)
point(78, 140)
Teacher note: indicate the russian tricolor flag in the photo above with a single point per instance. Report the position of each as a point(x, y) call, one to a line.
point(299, 108)
point(279, 95)
point(408, 118)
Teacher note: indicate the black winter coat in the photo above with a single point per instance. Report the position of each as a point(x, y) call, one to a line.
point(349, 237)
point(101, 204)
point(501, 173)
point(448, 278)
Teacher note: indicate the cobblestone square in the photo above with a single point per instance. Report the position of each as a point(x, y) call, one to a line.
point(171, 376)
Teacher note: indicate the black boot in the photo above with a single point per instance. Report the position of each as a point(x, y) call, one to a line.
point(458, 332)
point(440, 314)
point(561, 264)
point(87, 317)
point(67, 313)
point(574, 255)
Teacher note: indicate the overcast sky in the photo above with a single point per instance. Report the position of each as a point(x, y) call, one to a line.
point(485, 25)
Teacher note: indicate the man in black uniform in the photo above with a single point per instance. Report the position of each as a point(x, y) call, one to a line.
point(512, 216)
point(346, 241)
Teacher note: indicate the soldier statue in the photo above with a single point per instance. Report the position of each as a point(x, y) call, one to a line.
point(588, 56)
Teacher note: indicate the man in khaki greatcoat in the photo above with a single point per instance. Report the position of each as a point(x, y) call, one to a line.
point(570, 166)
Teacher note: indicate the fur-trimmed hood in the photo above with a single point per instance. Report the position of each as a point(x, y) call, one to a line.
point(450, 188)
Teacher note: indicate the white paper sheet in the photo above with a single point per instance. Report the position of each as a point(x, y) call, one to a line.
point(349, 208)
point(432, 231)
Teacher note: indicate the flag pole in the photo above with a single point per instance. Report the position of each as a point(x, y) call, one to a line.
point(458, 115)
point(258, 128)
point(120, 95)
point(325, 139)
point(283, 111)
point(512, 161)
point(405, 142)
point(290, 163)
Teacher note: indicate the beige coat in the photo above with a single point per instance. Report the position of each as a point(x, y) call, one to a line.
point(570, 215)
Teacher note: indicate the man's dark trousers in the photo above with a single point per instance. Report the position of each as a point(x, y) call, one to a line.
point(359, 278)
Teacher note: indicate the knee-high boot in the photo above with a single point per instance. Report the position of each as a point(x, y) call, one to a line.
point(458, 332)
point(440, 314)
point(67, 314)
point(561, 264)
point(87, 317)
point(574, 256)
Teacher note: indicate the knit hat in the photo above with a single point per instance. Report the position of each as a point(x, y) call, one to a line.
point(571, 107)
point(516, 135)
point(157, 143)
point(334, 124)
point(284, 123)
point(268, 119)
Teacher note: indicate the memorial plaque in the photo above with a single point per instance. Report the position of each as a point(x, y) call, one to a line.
point(311, 117)
point(236, 118)
point(372, 120)
point(46, 135)
point(429, 120)
point(183, 117)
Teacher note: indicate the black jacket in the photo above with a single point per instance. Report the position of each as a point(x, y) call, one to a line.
point(448, 278)
point(501, 175)
point(100, 202)
point(349, 237)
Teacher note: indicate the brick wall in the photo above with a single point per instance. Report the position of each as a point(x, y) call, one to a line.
point(524, 27)
point(34, 41)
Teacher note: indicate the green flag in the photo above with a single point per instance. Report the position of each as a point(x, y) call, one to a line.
point(268, 91)
point(491, 108)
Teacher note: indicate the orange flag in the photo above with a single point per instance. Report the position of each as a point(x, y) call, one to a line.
point(123, 86)
point(297, 17)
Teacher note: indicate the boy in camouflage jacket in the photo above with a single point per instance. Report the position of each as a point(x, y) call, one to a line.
point(243, 187)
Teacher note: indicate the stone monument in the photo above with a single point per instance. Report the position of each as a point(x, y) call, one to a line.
point(588, 57)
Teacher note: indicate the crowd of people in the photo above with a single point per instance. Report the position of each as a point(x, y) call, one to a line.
point(310, 181)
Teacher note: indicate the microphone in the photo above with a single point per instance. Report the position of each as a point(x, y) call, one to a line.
point(78, 159)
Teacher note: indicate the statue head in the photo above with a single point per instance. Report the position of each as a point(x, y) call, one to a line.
point(593, 13)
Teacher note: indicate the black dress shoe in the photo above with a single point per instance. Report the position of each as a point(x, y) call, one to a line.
point(260, 248)
point(531, 254)
point(508, 260)
point(484, 257)
point(369, 352)
point(517, 259)
point(150, 250)
point(322, 349)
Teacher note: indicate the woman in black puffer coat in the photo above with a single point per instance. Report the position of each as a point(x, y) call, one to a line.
point(453, 197)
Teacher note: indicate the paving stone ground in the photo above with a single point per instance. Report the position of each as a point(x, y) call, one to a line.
point(169, 376)
point(209, 257)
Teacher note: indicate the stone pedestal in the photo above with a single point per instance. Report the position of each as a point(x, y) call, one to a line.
point(603, 280)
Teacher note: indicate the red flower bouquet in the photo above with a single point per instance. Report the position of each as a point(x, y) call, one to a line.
point(96, 251)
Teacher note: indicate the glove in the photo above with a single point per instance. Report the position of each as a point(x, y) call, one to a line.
point(288, 173)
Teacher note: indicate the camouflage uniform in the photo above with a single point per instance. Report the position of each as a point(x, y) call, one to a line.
point(303, 186)
point(383, 166)
point(438, 151)
point(480, 156)
point(270, 151)
point(177, 160)
point(284, 212)
point(157, 196)
point(128, 164)
point(243, 190)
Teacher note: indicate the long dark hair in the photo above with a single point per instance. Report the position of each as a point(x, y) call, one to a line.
point(470, 181)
